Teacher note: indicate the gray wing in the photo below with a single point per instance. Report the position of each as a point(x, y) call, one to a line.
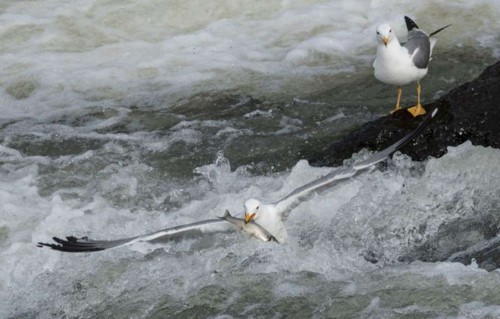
point(419, 47)
point(84, 244)
point(419, 44)
point(345, 173)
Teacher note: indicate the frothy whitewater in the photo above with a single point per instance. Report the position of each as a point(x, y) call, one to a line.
point(119, 118)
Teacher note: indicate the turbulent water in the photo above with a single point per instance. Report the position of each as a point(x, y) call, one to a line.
point(123, 117)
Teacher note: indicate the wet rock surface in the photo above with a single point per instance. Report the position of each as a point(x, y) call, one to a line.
point(469, 112)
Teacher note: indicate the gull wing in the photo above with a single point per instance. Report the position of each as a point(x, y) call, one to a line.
point(379, 156)
point(78, 245)
point(419, 44)
point(419, 47)
point(344, 173)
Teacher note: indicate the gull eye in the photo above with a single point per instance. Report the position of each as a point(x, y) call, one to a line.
point(390, 30)
point(256, 208)
point(378, 32)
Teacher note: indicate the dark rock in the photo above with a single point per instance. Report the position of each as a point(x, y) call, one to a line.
point(486, 254)
point(469, 112)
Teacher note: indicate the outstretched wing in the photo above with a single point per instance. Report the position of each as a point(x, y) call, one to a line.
point(78, 245)
point(343, 173)
point(379, 156)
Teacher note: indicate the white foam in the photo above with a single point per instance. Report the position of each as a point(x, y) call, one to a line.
point(478, 310)
point(328, 233)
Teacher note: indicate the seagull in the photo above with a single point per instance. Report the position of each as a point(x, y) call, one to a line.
point(404, 63)
point(269, 216)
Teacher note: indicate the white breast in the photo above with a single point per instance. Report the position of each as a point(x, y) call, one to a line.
point(270, 218)
point(393, 65)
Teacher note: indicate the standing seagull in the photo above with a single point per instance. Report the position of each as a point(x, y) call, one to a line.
point(401, 64)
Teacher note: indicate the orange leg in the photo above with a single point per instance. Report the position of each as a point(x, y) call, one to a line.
point(397, 108)
point(417, 109)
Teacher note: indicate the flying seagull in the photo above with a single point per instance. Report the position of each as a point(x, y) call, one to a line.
point(265, 219)
point(404, 63)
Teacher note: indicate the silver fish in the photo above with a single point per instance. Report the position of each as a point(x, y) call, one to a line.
point(252, 228)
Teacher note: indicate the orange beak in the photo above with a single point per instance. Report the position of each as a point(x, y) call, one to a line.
point(385, 40)
point(249, 217)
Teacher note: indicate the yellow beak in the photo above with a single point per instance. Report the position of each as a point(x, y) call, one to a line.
point(249, 217)
point(385, 40)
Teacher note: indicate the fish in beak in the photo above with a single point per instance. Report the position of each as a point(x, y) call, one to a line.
point(249, 217)
point(253, 229)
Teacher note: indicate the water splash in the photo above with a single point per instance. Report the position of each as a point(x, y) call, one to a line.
point(218, 173)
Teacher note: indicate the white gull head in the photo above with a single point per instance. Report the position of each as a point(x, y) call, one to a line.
point(267, 216)
point(385, 35)
point(252, 207)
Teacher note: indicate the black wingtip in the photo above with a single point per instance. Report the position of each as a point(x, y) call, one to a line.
point(72, 245)
point(439, 30)
point(410, 24)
